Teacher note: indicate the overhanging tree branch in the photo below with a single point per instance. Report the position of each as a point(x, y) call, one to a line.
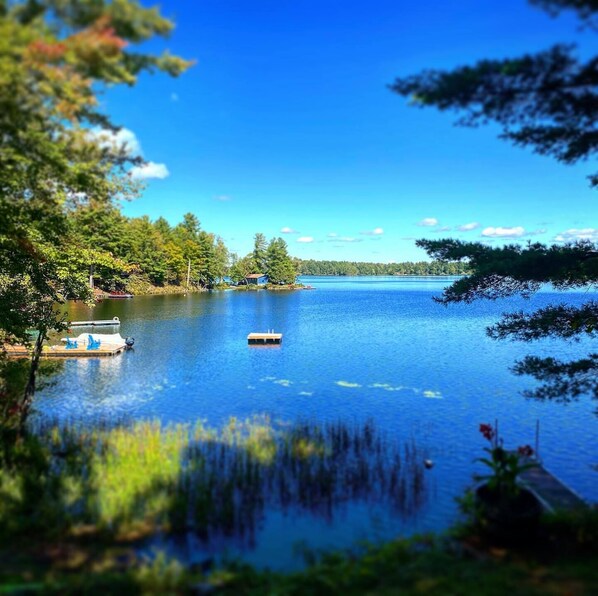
point(548, 100)
point(564, 321)
point(561, 381)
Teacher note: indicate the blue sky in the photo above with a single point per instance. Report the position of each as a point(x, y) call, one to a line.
point(285, 126)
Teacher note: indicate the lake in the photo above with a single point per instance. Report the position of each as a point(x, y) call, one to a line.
point(354, 350)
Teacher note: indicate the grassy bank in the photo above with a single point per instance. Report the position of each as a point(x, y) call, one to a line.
point(420, 565)
point(139, 286)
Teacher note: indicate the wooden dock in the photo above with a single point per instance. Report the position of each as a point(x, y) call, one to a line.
point(63, 352)
point(262, 339)
point(100, 323)
point(553, 494)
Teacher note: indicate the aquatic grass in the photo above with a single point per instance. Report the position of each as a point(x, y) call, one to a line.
point(130, 480)
point(312, 468)
point(143, 460)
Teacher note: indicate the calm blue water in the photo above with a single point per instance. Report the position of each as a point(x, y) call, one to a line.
point(353, 349)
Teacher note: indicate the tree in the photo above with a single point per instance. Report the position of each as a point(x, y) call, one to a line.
point(241, 268)
point(164, 229)
point(176, 265)
point(209, 267)
point(147, 250)
point(221, 259)
point(547, 101)
point(279, 265)
point(55, 55)
point(207, 254)
point(189, 228)
point(259, 253)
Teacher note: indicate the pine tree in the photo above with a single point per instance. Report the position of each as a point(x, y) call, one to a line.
point(279, 265)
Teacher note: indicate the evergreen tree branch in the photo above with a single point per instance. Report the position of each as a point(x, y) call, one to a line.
point(587, 10)
point(561, 381)
point(564, 321)
point(500, 272)
point(548, 100)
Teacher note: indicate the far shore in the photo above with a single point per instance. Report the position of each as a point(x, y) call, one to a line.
point(147, 289)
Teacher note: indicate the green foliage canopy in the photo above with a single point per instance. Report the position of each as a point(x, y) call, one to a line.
point(279, 265)
point(55, 57)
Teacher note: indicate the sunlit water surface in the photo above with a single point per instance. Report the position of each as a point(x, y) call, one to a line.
point(355, 349)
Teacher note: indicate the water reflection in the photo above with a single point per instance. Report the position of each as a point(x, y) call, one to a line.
point(219, 488)
point(233, 481)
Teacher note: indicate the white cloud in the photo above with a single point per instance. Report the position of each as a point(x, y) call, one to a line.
point(443, 229)
point(499, 232)
point(573, 234)
point(305, 239)
point(428, 222)
point(332, 235)
point(222, 198)
point(468, 226)
point(374, 232)
point(123, 137)
point(287, 230)
point(150, 170)
point(126, 140)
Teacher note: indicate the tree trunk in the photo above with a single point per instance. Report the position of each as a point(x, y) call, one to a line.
point(30, 387)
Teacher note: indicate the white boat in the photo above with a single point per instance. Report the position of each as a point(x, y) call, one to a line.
point(107, 339)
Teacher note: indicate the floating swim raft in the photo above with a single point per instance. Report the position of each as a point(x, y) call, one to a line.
point(264, 338)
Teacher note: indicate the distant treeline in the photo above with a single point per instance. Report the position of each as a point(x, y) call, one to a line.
point(311, 267)
point(128, 252)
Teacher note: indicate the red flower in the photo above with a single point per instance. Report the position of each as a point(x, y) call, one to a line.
point(525, 451)
point(487, 431)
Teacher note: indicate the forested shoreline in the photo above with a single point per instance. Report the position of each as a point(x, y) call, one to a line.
point(144, 256)
point(312, 267)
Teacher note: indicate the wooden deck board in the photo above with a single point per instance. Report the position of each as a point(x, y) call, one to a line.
point(62, 352)
point(554, 493)
point(264, 338)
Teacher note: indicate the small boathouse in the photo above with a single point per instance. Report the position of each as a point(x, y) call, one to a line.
point(256, 279)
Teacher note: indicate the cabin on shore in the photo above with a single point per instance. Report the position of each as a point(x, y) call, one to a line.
point(256, 279)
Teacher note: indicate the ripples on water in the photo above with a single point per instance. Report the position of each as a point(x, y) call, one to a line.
point(355, 349)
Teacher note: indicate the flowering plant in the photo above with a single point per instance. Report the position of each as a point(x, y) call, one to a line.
point(506, 466)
